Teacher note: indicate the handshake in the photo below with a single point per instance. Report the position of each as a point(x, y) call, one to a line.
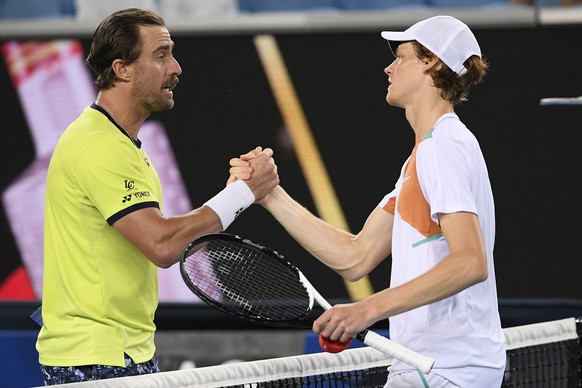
point(258, 170)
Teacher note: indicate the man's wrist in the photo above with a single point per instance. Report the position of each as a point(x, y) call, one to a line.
point(231, 201)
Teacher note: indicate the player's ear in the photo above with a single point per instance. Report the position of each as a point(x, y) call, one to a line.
point(430, 62)
point(121, 70)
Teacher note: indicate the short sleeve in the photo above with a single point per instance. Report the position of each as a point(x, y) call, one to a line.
point(444, 173)
point(113, 175)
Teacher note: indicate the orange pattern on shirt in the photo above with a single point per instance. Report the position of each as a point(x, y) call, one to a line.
point(412, 205)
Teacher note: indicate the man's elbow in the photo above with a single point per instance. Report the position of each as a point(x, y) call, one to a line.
point(352, 275)
point(481, 277)
point(163, 258)
point(480, 272)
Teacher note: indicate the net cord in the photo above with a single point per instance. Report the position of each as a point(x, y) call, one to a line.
point(252, 372)
point(540, 333)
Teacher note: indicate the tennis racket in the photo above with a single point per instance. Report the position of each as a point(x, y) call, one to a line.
point(255, 283)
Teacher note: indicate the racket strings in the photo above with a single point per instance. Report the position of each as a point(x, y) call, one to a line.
point(247, 281)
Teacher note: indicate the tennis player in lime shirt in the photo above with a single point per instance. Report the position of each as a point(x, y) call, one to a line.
point(105, 232)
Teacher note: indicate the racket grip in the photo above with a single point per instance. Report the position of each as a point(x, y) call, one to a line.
point(383, 344)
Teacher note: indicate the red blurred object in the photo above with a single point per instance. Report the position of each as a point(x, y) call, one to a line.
point(17, 286)
point(331, 346)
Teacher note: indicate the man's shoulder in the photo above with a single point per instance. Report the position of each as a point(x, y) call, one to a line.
point(89, 129)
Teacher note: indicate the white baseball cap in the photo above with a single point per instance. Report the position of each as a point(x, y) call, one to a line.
point(448, 38)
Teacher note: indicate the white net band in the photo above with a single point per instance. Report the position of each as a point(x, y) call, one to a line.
point(538, 354)
point(252, 372)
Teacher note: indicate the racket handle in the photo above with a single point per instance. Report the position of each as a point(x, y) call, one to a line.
point(383, 344)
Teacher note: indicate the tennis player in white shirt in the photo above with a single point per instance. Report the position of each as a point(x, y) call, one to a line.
point(437, 224)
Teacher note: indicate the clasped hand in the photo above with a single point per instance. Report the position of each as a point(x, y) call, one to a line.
point(258, 169)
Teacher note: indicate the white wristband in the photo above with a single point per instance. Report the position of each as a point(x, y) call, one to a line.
point(231, 201)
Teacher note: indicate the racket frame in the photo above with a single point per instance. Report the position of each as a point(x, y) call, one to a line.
point(298, 321)
point(368, 337)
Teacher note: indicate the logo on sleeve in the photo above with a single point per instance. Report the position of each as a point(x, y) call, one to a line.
point(130, 186)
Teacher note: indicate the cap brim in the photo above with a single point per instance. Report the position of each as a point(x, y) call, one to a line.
point(395, 38)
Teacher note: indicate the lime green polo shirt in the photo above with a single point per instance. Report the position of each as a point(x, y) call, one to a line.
point(100, 292)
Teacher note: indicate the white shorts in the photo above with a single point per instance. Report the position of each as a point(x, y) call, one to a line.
point(410, 379)
point(483, 377)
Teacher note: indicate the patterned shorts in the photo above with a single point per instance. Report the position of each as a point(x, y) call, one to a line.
point(71, 374)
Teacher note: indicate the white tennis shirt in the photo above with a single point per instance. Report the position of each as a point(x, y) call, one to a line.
point(445, 173)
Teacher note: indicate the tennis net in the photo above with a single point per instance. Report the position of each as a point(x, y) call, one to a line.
point(546, 354)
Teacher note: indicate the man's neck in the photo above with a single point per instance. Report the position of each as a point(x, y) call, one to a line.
point(124, 111)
